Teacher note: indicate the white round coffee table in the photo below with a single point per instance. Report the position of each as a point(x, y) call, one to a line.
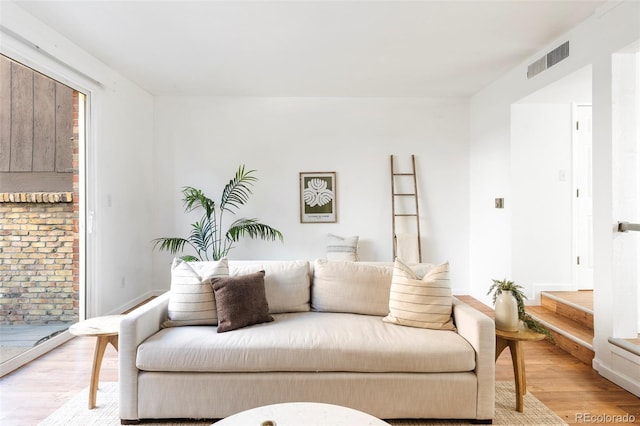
point(301, 414)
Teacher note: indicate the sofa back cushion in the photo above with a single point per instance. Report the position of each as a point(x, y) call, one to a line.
point(286, 282)
point(354, 287)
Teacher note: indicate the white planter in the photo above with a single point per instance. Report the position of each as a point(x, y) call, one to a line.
point(506, 309)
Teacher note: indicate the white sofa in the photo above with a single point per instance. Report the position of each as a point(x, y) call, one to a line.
point(328, 343)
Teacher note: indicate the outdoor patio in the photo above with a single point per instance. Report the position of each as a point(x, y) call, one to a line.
point(16, 339)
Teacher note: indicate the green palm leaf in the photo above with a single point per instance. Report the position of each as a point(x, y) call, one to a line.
point(253, 229)
point(172, 245)
point(236, 193)
point(206, 236)
point(202, 236)
point(188, 258)
point(195, 198)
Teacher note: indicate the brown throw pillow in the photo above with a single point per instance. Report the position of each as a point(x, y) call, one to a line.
point(241, 301)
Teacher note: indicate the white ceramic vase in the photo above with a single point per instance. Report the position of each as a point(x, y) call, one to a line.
point(506, 309)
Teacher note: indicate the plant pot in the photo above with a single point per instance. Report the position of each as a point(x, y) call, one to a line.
point(506, 309)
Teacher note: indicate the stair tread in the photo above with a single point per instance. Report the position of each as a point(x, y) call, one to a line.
point(635, 341)
point(574, 305)
point(583, 298)
point(569, 326)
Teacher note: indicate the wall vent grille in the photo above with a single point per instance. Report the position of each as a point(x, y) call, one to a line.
point(537, 67)
point(550, 59)
point(558, 54)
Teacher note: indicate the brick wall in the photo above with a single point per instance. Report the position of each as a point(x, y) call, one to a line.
point(38, 258)
point(40, 250)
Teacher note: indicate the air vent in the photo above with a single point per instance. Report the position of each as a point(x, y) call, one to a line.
point(537, 67)
point(558, 54)
point(550, 59)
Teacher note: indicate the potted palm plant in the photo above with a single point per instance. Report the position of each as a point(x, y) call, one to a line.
point(502, 291)
point(208, 238)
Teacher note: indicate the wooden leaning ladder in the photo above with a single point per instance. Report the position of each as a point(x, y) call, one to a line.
point(395, 196)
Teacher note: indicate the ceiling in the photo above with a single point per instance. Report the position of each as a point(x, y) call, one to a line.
point(312, 48)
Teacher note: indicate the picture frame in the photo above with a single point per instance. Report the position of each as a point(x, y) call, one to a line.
point(318, 197)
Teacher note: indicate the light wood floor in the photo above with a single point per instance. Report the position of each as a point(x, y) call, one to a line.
point(561, 382)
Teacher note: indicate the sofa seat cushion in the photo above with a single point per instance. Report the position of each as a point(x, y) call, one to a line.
point(308, 341)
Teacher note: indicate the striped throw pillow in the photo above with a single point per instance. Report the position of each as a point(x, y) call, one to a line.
point(423, 303)
point(191, 301)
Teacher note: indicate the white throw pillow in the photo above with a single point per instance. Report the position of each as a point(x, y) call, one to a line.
point(423, 303)
point(191, 301)
point(342, 248)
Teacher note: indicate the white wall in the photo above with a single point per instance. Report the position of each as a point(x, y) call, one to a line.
point(119, 169)
point(625, 196)
point(200, 141)
point(614, 26)
point(122, 187)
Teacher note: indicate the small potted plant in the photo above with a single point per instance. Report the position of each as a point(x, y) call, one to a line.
point(508, 299)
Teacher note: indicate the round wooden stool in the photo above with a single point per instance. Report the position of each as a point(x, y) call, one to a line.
point(106, 330)
point(513, 340)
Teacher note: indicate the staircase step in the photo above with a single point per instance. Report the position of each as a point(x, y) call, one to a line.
point(574, 305)
point(629, 345)
point(572, 336)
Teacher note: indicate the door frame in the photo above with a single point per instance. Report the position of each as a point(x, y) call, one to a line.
point(25, 52)
point(576, 285)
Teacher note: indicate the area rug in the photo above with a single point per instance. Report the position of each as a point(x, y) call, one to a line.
point(74, 412)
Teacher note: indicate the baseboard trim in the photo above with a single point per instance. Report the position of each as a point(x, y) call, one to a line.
point(131, 303)
point(617, 378)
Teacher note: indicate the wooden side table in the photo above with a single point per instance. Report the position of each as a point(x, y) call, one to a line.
point(513, 339)
point(106, 330)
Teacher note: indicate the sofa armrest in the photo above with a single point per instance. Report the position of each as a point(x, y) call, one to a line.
point(135, 327)
point(479, 330)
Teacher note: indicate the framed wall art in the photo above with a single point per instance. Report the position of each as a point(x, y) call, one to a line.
point(318, 197)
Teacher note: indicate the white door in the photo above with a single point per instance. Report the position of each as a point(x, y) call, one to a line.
point(583, 205)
